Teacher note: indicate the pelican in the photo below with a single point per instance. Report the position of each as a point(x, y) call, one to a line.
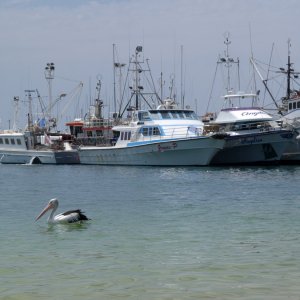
point(70, 216)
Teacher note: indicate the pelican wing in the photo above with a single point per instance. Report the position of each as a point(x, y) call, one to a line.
point(71, 216)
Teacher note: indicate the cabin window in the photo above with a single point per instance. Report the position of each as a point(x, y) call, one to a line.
point(18, 142)
point(89, 133)
point(194, 116)
point(290, 106)
point(181, 115)
point(144, 116)
point(99, 132)
point(6, 141)
point(294, 105)
point(191, 115)
point(165, 115)
point(174, 115)
point(156, 131)
point(12, 141)
point(145, 131)
point(298, 104)
point(155, 115)
point(1, 141)
point(150, 131)
point(125, 135)
point(188, 115)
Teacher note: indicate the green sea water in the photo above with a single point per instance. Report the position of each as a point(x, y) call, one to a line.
point(154, 233)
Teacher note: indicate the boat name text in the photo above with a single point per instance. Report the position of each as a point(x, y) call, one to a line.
point(167, 147)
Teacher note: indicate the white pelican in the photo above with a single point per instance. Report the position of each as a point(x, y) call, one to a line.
point(70, 216)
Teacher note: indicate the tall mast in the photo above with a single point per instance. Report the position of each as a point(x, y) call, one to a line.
point(49, 75)
point(30, 118)
point(137, 77)
point(16, 105)
point(289, 73)
point(288, 85)
point(114, 70)
point(228, 62)
point(181, 77)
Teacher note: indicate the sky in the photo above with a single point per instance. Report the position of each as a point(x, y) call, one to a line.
point(181, 38)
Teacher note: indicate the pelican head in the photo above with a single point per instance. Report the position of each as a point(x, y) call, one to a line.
point(52, 204)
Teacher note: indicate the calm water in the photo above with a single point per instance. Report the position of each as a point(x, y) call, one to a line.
point(155, 233)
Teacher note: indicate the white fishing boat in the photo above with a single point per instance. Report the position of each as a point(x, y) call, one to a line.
point(252, 135)
point(166, 136)
point(37, 143)
point(23, 148)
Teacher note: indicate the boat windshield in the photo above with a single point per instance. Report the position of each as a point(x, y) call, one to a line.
point(173, 114)
point(144, 116)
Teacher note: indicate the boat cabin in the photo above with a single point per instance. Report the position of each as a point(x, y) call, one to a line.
point(12, 140)
point(294, 101)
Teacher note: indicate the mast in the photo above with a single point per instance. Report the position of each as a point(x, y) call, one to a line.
point(181, 76)
point(29, 116)
point(228, 61)
point(289, 73)
point(16, 105)
point(138, 91)
point(98, 102)
point(137, 78)
point(49, 75)
point(288, 85)
point(114, 71)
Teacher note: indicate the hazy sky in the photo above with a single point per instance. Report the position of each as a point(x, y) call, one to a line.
point(78, 35)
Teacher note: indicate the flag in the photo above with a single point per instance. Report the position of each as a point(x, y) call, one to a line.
point(47, 139)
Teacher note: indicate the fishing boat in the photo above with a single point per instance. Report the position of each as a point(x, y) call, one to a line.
point(163, 136)
point(288, 108)
point(252, 135)
point(93, 129)
point(38, 143)
point(166, 136)
point(24, 148)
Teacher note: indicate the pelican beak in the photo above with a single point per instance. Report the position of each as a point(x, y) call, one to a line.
point(49, 206)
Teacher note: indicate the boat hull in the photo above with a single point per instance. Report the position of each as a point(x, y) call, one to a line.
point(38, 157)
point(291, 154)
point(256, 148)
point(179, 152)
